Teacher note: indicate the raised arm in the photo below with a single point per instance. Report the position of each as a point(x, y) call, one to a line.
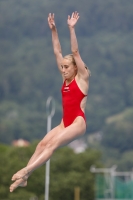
point(55, 40)
point(71, 21)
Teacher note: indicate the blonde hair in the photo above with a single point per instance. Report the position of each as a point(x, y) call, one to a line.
point(71, 59)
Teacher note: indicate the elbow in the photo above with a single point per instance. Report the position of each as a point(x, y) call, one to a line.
point(57, 51)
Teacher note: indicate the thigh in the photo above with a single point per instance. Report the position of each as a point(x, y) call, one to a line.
point(48, 137)
point(68, 134)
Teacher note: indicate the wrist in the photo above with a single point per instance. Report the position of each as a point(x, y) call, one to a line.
point(71, 27)
point(54, 29)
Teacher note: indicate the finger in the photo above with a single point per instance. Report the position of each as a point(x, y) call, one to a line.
point(76, 14)
point(77, 18)
point(72, 15)
point(68, 16)
point(52, 15)
point(49, 16)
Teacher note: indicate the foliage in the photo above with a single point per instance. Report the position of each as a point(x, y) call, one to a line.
point(66, 173)
point(118, 132)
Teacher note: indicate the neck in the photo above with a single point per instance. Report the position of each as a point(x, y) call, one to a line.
point(70, 79)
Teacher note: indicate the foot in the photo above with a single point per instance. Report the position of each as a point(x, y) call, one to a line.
point(23, 173)
point(18, 183)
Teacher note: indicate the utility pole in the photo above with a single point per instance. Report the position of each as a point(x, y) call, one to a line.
point(50, 100)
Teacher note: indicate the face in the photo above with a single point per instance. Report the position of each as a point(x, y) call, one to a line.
point(69, 70)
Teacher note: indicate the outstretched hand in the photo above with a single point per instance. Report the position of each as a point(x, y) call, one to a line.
point(51, 21)
point(71, 21)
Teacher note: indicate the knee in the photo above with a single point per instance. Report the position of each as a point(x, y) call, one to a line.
point(51, 146)
point(40, 146)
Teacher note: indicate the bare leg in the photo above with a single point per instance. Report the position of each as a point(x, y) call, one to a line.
point(39, 149)
point(61, 137)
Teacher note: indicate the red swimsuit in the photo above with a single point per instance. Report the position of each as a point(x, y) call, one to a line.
point(71, 99)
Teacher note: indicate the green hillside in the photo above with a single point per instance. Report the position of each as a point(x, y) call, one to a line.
point(28, 72)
